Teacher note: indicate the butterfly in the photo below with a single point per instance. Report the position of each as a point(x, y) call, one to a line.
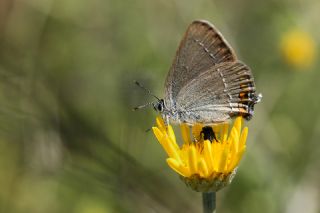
point(207, 83)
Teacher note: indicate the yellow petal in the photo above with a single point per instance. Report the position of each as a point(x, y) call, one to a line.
point(216, 153)
point(243, 137)
point(172, 136)
point(171, 150)
point(234, 138)
point(203, 168)
point(223, 160)
point(160, 123)
point(196, 129)
point(237, 123)
point(224, 132)
point(176, 166)
point(157, 133)
point(216, 128)
point(208, 154)
point(236, 159)
point(192, 160)
point(185, 132)
point(183, 153)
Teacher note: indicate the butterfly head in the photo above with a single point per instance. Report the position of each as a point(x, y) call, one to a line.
point(166, 113)
point(159, 105)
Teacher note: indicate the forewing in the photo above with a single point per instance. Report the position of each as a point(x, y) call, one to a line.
point(201, 47)
point(219, 93)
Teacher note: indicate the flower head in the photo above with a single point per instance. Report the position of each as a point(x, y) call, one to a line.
point(202, 164)
point(298, 48)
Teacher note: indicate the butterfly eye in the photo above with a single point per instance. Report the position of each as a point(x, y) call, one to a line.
point(160, 107)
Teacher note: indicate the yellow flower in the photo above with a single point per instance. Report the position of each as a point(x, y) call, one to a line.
point(203, 165)
point(298, 48)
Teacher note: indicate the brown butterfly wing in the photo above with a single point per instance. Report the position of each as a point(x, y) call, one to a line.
point(218, 94)
point(202, 47)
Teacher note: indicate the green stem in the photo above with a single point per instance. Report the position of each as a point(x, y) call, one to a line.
point(209, 202)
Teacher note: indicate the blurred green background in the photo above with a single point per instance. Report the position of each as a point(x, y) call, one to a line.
point(69, 141)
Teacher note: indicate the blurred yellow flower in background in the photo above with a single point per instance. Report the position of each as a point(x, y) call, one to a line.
point(203, 165)
point(298, 48)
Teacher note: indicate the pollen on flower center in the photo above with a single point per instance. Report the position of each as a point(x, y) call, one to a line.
point(199, 162)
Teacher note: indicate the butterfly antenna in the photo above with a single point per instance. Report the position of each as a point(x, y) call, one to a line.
point(146, 90)
point(142, 106)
